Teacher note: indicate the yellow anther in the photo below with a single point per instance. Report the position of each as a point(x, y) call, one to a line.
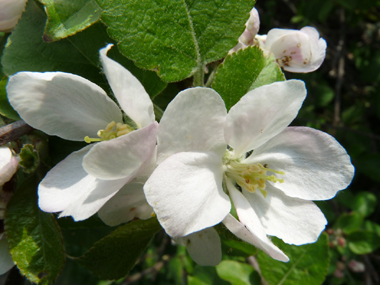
point(110, 126)
point(112, 131)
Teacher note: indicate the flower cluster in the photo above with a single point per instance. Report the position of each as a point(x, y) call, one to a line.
point(200, 163)
point(294, 50)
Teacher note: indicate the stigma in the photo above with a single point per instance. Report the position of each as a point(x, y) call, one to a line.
point(112, 131)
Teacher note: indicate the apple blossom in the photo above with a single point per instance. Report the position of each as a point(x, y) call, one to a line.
point(251, 29)
point(208, 158)
point(8, 167)
point(74, 108)
point(10, 13)
point(295, 50)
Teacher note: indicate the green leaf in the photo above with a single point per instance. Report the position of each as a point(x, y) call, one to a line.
point(363, 242)
point(369, 165)
point(308, 263)
point(115, 255)
point(349, 222)
point(365, 203)
point(66, 18)
point(6, 109)
point(78, 54)
point(372, 227)
point(244, 71)
point(237, 273)
point(205, 275)
point(34, 237)
point(237, 248)
point(176, 38)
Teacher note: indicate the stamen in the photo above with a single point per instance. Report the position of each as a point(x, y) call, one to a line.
point(112, 131)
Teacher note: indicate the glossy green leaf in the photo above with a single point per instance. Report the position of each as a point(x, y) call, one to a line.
point(349, 222)
point(243, 71)
point(308, 263)
point(78, 54)
point(363, 242)
point(66, 18)
point(365, 203)
point(114, 256)
point(34, 237)
point(175, 37)
point(237, 273)
point(6, 109)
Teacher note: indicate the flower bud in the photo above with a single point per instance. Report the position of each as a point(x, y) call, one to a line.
point(8, 165)
point(295, 51)
point(10, 13)
point(356, 266)
point(252, 28)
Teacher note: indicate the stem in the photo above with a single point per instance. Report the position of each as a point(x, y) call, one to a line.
point(199, 76)
point(13, 131)
point(211, 78)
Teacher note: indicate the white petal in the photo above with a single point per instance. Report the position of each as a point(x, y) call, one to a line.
point(8, 164)
point(239, 230)
point(92, 200)
point(204, 247)
point(193, 121)
point(275, 34)
point(61, 104)
point(69, 188)
point(127, 204)
point(293, 220)
point(316, 166)
point(123, 156)
point(263, 113)
point(10, 12)
point(186, 193)
point(6, 261)
point(128, 90)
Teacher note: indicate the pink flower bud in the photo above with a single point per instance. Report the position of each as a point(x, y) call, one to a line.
point(8, 165)
point(10, 13)
point(252, 28)
point(296, 51)
point(356, 266)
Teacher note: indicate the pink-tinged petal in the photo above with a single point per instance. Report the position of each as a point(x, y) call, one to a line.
point(193, 121)
point(6, 262)
point(293, 220)
point(129, 92)
point(10, 13)
point(61, 104)
point(239, 230)
point(8, 164)
point(69, 188)
point(316, 166)
point(263, 113)
point(127, 204)
point(186, 193)
point(204, 247)
point(123, 156)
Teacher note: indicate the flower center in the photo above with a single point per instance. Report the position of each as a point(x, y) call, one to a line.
point(112, 131)
point(251, 176)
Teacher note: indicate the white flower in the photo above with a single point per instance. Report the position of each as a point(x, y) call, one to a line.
point(10, 13)
point(295, 50)
point(8, 164)
point(74, 108)
point(271, 188)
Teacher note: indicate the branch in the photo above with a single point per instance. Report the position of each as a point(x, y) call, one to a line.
point(13, 131)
